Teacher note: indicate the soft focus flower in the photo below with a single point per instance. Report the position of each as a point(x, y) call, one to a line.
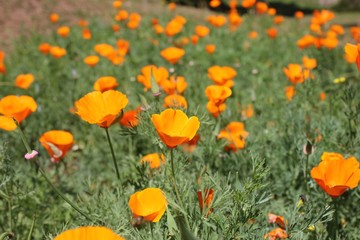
point(83, 23)
point(15, 107)
point(206, 200)
point(24, 80)
point(57, 143)
point(174, 127)
point(272, 32)
point(352, 53)
point(2, 64)
point(306, 41)
point(235, 134)
point(100, 108)
point(150, 204)
point(57, 52)
point(295, 73)
point(117, 4)
point(248, 3)
point(105, 83)
point(322, 96)
point(335, 174)
point(63, 31)
point(86, 34)
point(202, 31)
point(54, 17)
point(222, 75)
point(191, 145)
point(214, 3)
point(159, 74)
point(175, 85)
point(253, 34)
point(299, 14)
point(309, 63)
point(277, 233)
point(91, 61)
point(210, 48)
point(130, 118)
point(172, 54)
point(172, 6)
point(175, 101)
point(290, 92)
point(88, 233)
point(44, 48)
point(261, 7)
point(154, 160)
point(217, 21)
point(272, 12)
point(278, 19)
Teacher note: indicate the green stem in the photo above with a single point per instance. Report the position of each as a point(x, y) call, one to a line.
point(177, 193)
point(23, 138)
point(6, 235)
point(62, 195)
point(112, 153)
point(306, 170)
point(31, 229)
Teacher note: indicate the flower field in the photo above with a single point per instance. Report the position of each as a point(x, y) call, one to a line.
point(182, 126)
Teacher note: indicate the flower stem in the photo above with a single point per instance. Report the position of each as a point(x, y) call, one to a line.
point(23, 138)
point(177, 193)
point(112, 153)
point(62, 195)
point(31, 229)
point(306, 170)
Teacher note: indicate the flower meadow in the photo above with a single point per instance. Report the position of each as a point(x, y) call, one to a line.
point(174, 126)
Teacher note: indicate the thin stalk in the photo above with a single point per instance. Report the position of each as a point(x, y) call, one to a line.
point(6, 235)
point(76, 208)
point(112, 153)
point(177, 193)
point(23, 138)
point(31, 229)
point(306, 171)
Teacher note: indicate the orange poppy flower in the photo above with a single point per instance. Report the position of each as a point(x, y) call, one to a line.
point(24, 81)
point(173, 27)
point(57, 143)
point(272, 12)
point(105, 83)
point(54, 17)
point(222, 75)
point(247, 112)
point(218, 21)
point(88, 233)
point(272, 32)
point(234, 19)
point(295, 73)
point(57, 52)
point(202, 31)
point(335, 174)
point(330, 42)
point(322, 17)
point(123, 46)
point(130, 119)
point(355, 33)
point(253, 34)
point(174, 127)
point(115, 27)
point(217, 94)
point(133, 25)
point(194, 39)
point(279, 220)
point(214, 3)
point(338, 29)
point(91, 61)
point(172, 6)
point(17, 107)
point(206, 200)
point(210, 48)
point(299, 14)
point(158, 29)
point(117, 4)
point(155, 160)
point(104, 49)
point(150, 204)
point(277, 233)
point(261, 7)
point(233, 4)
point(235, 134)
point(306, 41)
point(309, 63)
point(175, 101)
point(215, 109)
point(278, 19)
point(44, 48)
point(322, 96)
point(248, 3)
point(122, 15)
point(290, 92)
point(100, 108)
point(352, 53)
point(86, 34)
point(159, 74)
point(191, 145)
point(83, 23)
point(175, 85)
point(2, 65)
point(63, 31)
point(172, 54)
